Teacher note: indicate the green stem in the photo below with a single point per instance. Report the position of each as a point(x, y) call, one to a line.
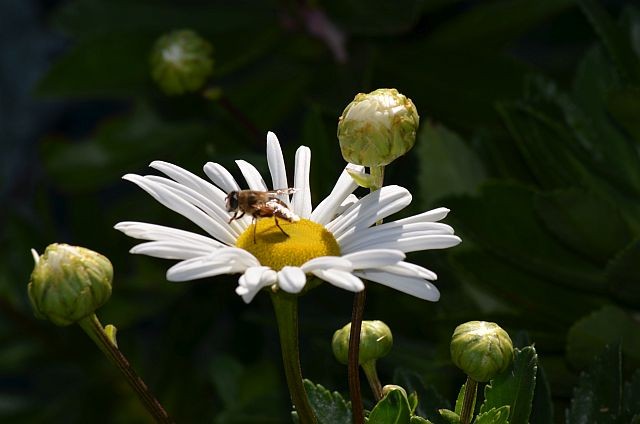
point(377, 172)
point(286, 309)
point(371, 372)
point(96, 332)
point(469, 400)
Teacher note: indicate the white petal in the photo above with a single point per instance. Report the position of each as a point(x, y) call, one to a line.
point(345, 185)
point(225, 261)
point(342, 279)
point(207, 205)
point(346, 204)
point(374, 258)
point(417, 287)
point(221, 177)
point(291, 279)
point(144, 231)
point(252, 175)
point(276, 166)
point(408, 269)
point(190, 180)
point(370, 209)
point(326, 262)
point(253, 280)
point(301, 202)
point(393, 231)
point(428, 216)
point(178, 204)
point(409, 244)
point(170, 250)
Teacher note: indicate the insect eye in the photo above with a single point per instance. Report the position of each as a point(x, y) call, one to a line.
point(232, 201)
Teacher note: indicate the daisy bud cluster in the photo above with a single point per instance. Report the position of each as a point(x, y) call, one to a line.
point(481, 349)
point(69, 283)
point(181, 62)
point(376, 341)
point(378, 127)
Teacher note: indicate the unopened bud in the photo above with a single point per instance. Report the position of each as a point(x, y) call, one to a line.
point(376, 341)
point(377, 128)
point(481, 349)
point(69, 283)
point(181, 62)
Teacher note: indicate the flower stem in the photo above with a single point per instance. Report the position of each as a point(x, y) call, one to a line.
point(469, 400)
point(371, 372)
point(286, 309)
point(96, 332)
point(357, 409)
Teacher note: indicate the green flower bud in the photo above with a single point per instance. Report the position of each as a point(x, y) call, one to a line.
point(481, 349)
point(375, 342)
point(181, 62)
point(69, 283)
point(377, 128)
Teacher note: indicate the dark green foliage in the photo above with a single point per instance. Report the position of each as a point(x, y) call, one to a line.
point(392, 409)
point(329, 407)
point(543, 185)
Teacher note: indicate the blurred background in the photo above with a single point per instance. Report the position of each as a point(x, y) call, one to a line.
point(530, 134)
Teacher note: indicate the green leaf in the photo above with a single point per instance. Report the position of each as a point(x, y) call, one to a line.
point(542, 407)
point(415, 419)
point(514, 387)
point(529, 297)
point(610, 324)
point(617, 43)
point(623, 274)
point(494, 23)
point(430, 400)
point(503, 217)
point(226, 373)
point(449, 416)
point(460, 399)
point(392, 409)
point(597, 397)
point(330, 408)
point(494, 416)
point(118, 146)
point(631, 398)
point(448, 165)
point(572, 214)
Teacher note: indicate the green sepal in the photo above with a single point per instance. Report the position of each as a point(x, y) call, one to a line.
point(449, 416)
point(392, 409)
point(363, 179)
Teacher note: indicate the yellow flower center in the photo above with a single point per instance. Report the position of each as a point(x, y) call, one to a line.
point(305, 240)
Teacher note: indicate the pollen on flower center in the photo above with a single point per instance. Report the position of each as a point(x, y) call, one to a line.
point(306, 240)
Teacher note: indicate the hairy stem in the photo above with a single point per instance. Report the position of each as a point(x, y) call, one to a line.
point(286, 309)
point(469, 401)
point(96, 332)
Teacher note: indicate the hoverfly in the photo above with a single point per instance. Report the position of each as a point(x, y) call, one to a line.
point(260, 204)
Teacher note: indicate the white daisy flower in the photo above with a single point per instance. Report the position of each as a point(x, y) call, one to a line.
point(336, 241)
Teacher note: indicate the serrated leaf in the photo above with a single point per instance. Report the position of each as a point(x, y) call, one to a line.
point(514, 387)
point(531, 294)
point(415, 419)
point(392, 409)
point(448, 165)
point(596, 399)
point(542, 407)
point(610, 324)
point(330, 408)
point(572, 214)
point(494, 416)
point(491, 219)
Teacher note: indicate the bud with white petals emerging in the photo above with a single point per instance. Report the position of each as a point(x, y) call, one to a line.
point(377, 128)
point(69, 283)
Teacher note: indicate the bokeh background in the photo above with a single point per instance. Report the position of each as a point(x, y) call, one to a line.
point(530, 133)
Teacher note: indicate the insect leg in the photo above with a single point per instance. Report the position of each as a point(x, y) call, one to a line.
point(278, 225)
